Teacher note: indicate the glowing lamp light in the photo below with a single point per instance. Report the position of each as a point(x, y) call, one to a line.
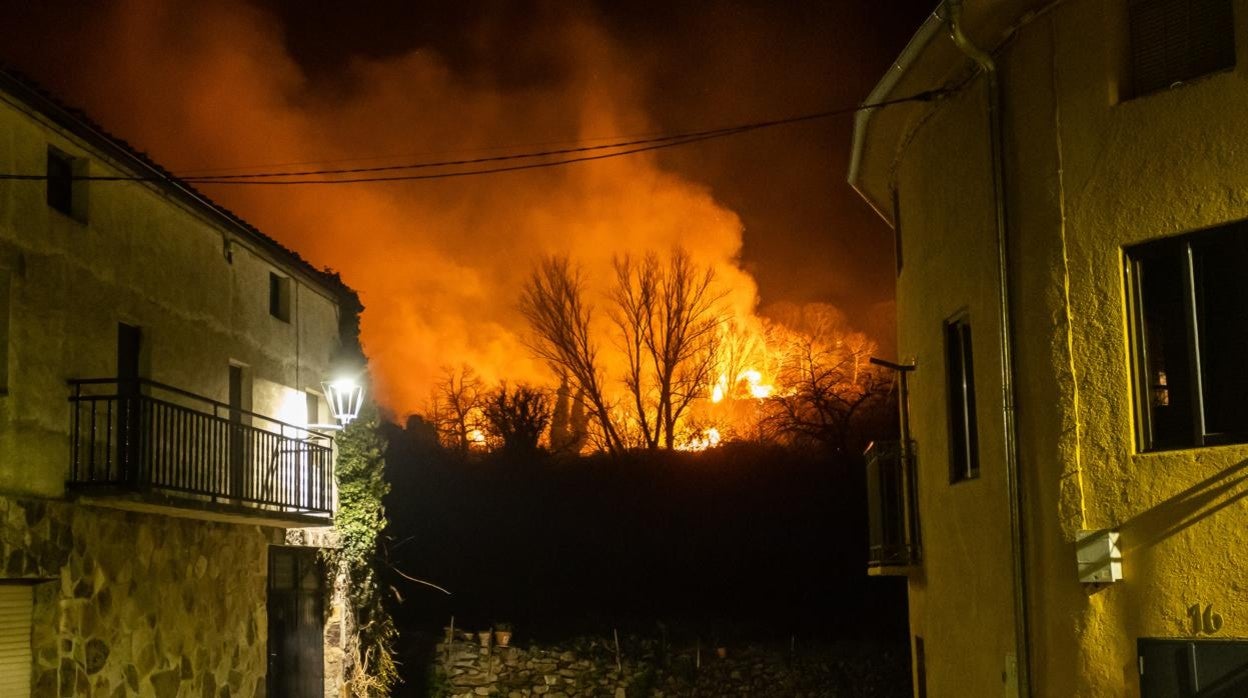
point(345, 397)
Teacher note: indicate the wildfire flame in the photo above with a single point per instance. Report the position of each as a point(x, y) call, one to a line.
point(709, 438)
point(748, 383)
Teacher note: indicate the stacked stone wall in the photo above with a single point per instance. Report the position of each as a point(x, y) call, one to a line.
point(644, 667)
point(130, 604)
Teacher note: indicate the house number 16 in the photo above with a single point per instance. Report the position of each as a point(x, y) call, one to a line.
point(1206, 622)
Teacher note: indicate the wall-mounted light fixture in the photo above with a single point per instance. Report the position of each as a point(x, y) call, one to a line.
point(345, 397)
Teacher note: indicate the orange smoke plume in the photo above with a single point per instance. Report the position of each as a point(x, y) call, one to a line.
point(439, 265)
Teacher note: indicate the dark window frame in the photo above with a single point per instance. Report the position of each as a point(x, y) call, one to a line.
point(6, 306)
point(960, 399)
point(1189, 666)
point(1187, 390)
point(897, 258)
point(279, 296)
point(66, 186)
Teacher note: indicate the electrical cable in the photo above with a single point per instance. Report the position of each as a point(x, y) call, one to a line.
point(641, 145)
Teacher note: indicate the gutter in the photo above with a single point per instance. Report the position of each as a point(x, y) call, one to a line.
point(948, 17)
point(932, 27)
point(1005, 338)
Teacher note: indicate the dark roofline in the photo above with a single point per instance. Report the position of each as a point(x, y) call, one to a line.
point(80, 124)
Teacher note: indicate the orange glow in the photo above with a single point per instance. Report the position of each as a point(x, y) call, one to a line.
point(748, 384)
point(709, 438)
point(439, 265)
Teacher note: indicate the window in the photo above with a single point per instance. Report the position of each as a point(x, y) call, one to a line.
point(5, 280)
point(279, 296)
point(1189, 335)
point(67, 192)
point(960, 375)
point(1179, 668)
point(1173, 41)
point(897, 230)
point(313, 409)
point(920, 667)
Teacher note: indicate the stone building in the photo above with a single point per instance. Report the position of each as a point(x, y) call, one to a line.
point(161, 363)
point(1070, 210)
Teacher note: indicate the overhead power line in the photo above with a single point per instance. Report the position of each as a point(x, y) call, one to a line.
point(619, 148)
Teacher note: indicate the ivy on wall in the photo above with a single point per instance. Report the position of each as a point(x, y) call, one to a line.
point(360, 520)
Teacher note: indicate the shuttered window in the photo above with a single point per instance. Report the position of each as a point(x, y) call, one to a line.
point(15, 659)
point(1173, 41)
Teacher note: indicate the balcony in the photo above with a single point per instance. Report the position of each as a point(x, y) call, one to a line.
point(147, 446)
point(892, 511)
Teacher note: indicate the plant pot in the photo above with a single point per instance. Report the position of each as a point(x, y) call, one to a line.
point(502, 638)
point(721, 652)
point(484, 637)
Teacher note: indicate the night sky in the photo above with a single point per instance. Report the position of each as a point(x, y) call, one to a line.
point(253, 85)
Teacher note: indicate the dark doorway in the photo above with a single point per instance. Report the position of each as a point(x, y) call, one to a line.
point(129, 346)
point(296, 618)
point(237, 434)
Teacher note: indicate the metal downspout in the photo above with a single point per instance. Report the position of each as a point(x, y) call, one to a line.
point(1005, 338)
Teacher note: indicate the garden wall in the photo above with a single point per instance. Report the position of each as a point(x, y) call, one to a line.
point(649, 667)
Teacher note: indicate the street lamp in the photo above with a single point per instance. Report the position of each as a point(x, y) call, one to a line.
point(345, 397)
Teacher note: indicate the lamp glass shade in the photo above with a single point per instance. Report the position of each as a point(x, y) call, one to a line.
point(345, 397)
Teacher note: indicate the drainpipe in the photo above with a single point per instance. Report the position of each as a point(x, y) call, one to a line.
point(953, 9)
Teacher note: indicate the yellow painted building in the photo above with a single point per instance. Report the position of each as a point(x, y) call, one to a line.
point(162, 471)
point(1069, 191)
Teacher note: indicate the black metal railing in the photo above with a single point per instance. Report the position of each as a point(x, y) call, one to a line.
point(143, 435)
point(892, 511)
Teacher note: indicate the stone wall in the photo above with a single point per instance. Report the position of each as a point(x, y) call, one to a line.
point(649, 667)
point(130, 604)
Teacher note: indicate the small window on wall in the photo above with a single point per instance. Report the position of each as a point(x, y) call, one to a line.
point(66, 190)
point(1189, 336)
point(1181, 668)
point(960, 374)
point(279, 296)
point(897, 230)
point(5, 281)
point(920, 668)
point(1173, 41)
point(313, 402)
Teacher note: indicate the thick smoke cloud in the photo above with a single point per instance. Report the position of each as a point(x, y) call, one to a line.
point(438, 264)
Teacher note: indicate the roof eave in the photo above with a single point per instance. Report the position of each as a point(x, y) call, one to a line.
point(42, 101)
point(932, 27)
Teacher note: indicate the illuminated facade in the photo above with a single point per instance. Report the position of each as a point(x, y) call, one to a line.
point(160, 369)
point(1071, 250)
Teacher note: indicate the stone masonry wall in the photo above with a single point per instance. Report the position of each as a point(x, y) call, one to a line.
point(130, 604)
point(647, 667)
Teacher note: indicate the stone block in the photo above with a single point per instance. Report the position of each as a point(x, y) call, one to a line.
point(96, 655)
